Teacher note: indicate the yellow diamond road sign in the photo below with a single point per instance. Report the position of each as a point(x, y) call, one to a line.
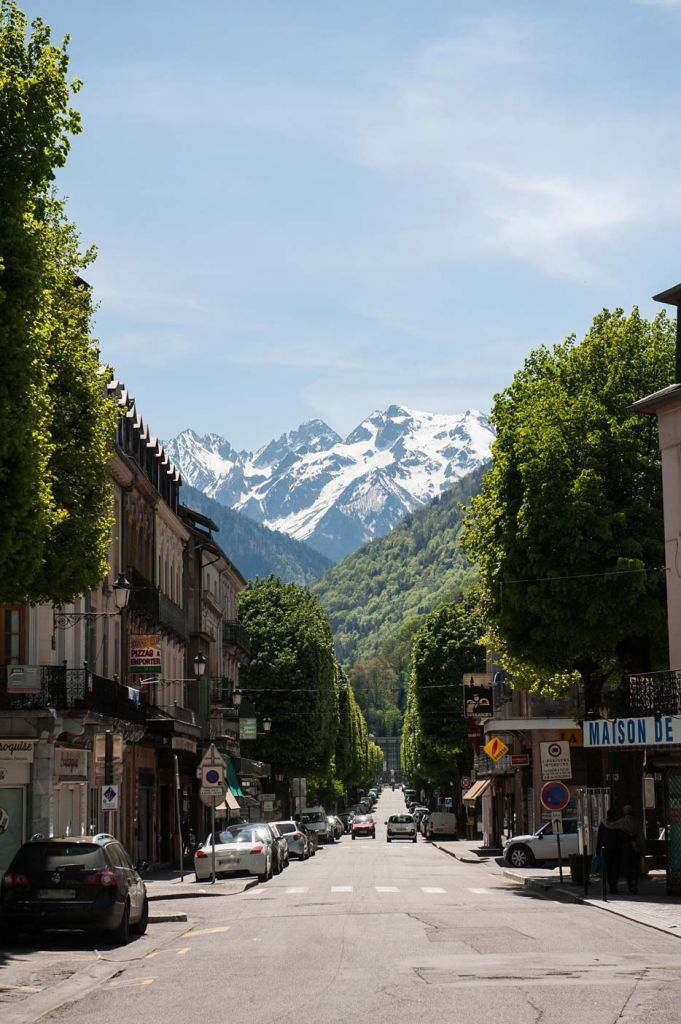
point(496, 748)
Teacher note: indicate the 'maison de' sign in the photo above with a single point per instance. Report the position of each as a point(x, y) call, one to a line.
point(632, 732)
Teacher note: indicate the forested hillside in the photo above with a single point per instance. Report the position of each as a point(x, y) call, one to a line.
point(373, 591)
point(255, 550)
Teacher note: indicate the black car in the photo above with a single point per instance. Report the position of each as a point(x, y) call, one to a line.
point(86, 882)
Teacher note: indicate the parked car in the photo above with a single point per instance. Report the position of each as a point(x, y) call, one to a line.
point(316, 820)
point(312, 838)
point(297, 840)
point(346, 818)
point(418, 812)
point(423, 824)
point(364, 825)
point(542, 845)
point(442, 823)
point(409, 795)
point(333, 827)
point(401, 826)
point(280, 847)
point(86, 883)
point(340, 827)
point(238, 848)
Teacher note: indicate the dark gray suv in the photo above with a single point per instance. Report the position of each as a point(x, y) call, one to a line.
point(86, 882)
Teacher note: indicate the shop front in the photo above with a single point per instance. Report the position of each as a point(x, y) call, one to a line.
point(70, 793)
point(16, 769)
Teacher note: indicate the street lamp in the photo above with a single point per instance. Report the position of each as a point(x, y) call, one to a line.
point(199, 665)
point(267, 724)
point(121, 590)
point(236, 697)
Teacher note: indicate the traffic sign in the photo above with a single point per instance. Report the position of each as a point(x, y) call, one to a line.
point(495, 748)
point(557, 822)
point(554, 796)
point(555, 760)
point(213, 786)
point(519, 760)
point(109, 798)
point(465, 782)
point(213, 757)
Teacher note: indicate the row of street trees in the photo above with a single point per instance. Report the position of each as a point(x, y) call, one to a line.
point(567, 536)
point(318, 731)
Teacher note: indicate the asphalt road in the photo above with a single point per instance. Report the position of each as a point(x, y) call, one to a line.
point(380, 932)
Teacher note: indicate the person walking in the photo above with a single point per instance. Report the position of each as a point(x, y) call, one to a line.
point(632, 847)
point(609, 844)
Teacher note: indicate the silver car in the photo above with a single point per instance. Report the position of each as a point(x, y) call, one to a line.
point(298, 843)
point(238, 849)
point(401, 826)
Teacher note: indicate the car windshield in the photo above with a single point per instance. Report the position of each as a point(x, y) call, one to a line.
point(362, 818)
point(52, 856)
point(236, 834)
point(312, 818)
point(401, 819)
point(285, 827)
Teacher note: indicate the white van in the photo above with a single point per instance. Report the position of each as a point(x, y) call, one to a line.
point(442, 823)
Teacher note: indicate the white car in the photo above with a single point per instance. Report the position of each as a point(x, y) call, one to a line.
point(401, 826)
point(542, 845)
point(238, 849)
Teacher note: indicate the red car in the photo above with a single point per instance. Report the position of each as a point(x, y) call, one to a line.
point(363, 825)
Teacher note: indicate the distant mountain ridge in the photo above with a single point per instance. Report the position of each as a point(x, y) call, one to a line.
point(374, 591)
point(333, 493)
point(255, 550)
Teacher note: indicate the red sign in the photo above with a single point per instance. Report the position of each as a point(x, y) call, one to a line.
point(474, 735)
point(518, 760)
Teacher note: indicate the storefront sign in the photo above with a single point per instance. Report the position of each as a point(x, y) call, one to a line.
point(24, 679)
point(520, 760)
point(555, 760)
point(15, 773)
point(495, 748)
point(145, 654)
point(477, 695)
point(70, 764)
point(632, 732)
point(17, 750)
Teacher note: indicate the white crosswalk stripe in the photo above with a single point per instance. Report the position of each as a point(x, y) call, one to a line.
point(387, 888)
point(481, 892)
point(341, 888)
point(432, 890)
point(297, 889)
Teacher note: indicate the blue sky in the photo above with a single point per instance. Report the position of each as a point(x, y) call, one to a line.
point(311, 209)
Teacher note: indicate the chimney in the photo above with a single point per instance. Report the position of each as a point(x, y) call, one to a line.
point(672, 297)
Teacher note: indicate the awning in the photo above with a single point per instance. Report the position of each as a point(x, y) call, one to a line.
point(529, 724)
point(476, 790)
point(232, 779)
point(230, 803)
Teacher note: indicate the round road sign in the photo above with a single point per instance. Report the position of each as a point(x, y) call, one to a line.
point(211, 777)
point(555, 796)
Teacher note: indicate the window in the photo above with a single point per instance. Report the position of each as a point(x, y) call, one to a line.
point(12, 636)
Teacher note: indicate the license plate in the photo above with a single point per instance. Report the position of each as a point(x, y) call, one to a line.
point(56, 894)
point(228, 857)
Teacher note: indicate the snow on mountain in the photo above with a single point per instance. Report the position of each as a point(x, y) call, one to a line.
point(337, 494)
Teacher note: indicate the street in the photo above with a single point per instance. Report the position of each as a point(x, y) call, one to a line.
point(397, 932)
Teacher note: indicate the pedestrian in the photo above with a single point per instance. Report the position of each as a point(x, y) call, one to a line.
point(632, 849)
point(609, 844)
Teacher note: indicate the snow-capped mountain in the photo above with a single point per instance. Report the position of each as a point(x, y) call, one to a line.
point(336, 494)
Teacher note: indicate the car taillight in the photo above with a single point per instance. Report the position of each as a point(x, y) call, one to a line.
point(258, 848)
point(200, 854)
point(106, 879)
point(14, 880)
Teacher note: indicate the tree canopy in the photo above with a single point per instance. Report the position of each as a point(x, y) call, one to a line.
point(567, 532)
point(56, 425)
point(448, 644)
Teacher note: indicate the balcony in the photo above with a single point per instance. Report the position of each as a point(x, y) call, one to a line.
point(236, 640)
point(654, 693)
point(74, 689)
point(147, 602)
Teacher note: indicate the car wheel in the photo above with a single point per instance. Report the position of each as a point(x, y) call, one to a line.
point(121, 934)
point(520, 857)
point(387, 839)
point(141, 926)
point(414, 839)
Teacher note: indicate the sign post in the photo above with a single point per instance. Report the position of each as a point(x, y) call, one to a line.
point(177, 815)
point(213, 791)
point(557, 825)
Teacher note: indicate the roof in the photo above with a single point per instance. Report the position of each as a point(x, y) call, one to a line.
point(672, 296)
point(649, 405)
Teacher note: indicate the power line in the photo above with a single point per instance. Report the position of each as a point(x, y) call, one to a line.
point(583, 576)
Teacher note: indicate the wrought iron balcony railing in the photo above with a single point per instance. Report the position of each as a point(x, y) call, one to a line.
point(236, 638)
point(654, 693)
point(75, 689)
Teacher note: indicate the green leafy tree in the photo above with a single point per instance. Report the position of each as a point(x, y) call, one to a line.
point(448, 644)
point(292, 677)
point(567, 531)
point(56, 425)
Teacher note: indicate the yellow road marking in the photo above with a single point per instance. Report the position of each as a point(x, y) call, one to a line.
point(205, 931)
point(132, 983)
point(19, 988)
point(181, 952)
point(150, 956)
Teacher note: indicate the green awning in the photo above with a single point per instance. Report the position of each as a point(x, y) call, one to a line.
point(233, 779)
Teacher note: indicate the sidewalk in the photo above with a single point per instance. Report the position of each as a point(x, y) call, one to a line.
point(651, 907)
point(166, 885)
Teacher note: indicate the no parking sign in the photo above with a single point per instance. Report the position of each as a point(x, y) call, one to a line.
point(555, 796)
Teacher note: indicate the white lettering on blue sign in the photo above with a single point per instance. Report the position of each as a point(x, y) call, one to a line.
point(629, 732)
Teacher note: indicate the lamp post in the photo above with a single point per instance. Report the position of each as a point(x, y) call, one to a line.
point(236, 697)
point(121, 591)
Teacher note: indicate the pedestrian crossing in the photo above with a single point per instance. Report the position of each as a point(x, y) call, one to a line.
point(302, 890)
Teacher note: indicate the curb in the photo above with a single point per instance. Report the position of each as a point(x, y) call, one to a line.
point(548, 890)
point(250, 883)
point(465, 858)
point(164, 918)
